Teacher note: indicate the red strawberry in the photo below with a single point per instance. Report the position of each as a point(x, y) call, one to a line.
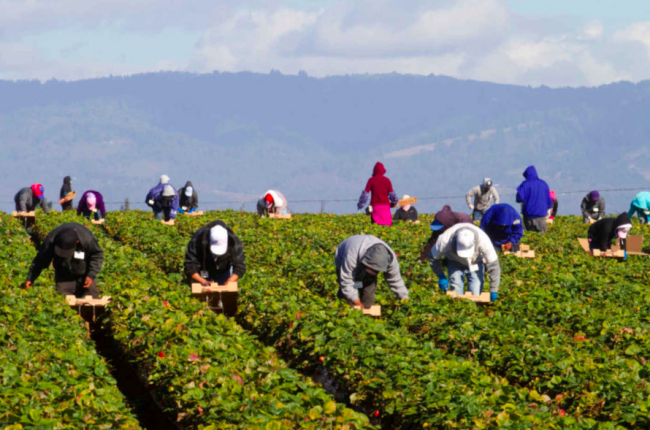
point(562, 413)
point(321, 359)
point(376, 414)
point(161, 354)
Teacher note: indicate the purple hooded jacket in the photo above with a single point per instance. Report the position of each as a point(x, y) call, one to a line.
point(82, 208)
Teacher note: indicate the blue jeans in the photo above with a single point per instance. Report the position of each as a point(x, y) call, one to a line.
point(458, 273)
point(157, 215)
point(477, 215)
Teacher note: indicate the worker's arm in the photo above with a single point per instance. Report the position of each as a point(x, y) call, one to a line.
point(517, 229)
point(95, 259)
point(468, 197)
point(394, 279)
point(41, 261)
point(435, 261)
point(346, 280)
point(192, 262)
point(238, 261)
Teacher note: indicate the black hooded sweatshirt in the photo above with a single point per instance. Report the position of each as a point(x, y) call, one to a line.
point(198, 256)
point(66, 189)
point(603, 232)
point(188, 202)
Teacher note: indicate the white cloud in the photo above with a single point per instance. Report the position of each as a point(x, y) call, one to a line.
point(639, 32)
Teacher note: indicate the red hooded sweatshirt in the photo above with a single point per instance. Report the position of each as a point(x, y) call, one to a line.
point(379, 186)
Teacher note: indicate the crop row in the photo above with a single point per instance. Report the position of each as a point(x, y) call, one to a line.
point(203, 368)
point(51, 375)
point(380, 367)
point(542, 338)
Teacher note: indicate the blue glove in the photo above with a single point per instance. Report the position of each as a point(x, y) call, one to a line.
point(443, 284)
point(180, 210)
point(493, 297)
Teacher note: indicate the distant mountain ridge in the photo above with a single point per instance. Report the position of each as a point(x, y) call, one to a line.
point(236, 135)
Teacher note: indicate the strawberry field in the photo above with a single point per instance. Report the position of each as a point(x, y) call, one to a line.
point(565, 346)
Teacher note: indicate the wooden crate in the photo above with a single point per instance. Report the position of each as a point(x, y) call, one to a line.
point(71, 195)
point(31, 214)
point(279, 216)
point(170, 222)
point(98, 221)
point(524, 252)
point(409, 201)
point(227, 294)
point(483, 298)
point(88, 308)
point(198, 213)
point(634, 247)
point(373, 311)
point(74, 301)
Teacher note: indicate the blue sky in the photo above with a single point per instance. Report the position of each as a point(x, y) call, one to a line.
point(550, 42)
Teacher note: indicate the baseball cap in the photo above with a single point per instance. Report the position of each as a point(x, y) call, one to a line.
point(465, 244)
point(65, 243)
point(189, 191)
point(218, 240)
point(168, 191)
point(436, 225)
point(164, 179)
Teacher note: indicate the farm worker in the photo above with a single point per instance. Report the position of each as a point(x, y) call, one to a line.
point(66, 189)
point(482, 195)
point(503, 226)
point(535, 198)
point(358, 260)
point(465, 246)
point(444, 219)
point(272, 201)
point(592, 207)
point(160, 203)
point(76, 257)
point(189, 198)
point(553, 211)
point(28, 198)
point(603, 232)
point(215, 254)
point(406, 212)
point(91, 205)
point(382, 196)
point(641, 206)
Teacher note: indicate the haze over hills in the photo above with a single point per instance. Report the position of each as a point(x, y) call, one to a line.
point(235, 135)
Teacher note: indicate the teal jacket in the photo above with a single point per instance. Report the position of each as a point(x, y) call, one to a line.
point(641, 203)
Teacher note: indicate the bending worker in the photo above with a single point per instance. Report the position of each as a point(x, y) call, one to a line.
point(592, 207)
point(406, 212)
point(465, 246)
point(603, 232)
point(358, 260)
point(66, 189)
point(272, 201)
point(163, 200)
point(641, 206)
point(215, 254)
point(28, 198)
point(535, 198)
point(482, 195)
point(76, 257)
point(503, 226)
point(444, 219)
point(91, 206)
point(382, 196)
point(189, 199)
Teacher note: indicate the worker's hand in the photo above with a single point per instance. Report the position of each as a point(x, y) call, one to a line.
point(443, 284)
point(150, 202)
point(471, 207)
point(233, 278)
point(494, 296)
point(507, 246)
point(28, 284)
point(88, 282)
point(205, 282)
point(358, 303)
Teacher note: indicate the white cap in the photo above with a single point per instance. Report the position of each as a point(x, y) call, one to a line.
point(623, 230)
point(465, 243)
point(188, 191)
point(218, 240)
point(164, 179)
point(406, 196)
point(168, 191)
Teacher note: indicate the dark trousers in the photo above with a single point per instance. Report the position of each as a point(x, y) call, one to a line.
point(366, 295)
point(535, 224)
point(76, 288)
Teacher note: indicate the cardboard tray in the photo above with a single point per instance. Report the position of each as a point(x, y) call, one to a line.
point(634, 247)
point(31, 214)
point(71, 195)
point(100, 221)
point(230, 287)
point(374, 311)
point(409, 201)
point(482, 298)
point(279, 216)
point(75, 302)
point(170, 222)
point(198, 213)
point(524, 252)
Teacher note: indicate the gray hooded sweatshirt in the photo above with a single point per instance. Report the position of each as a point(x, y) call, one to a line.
point(482, 196)
point(280, 202)
point(360, 250)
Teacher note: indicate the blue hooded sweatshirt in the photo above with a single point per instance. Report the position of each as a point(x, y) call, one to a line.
point(534, 194)
point(502, 224)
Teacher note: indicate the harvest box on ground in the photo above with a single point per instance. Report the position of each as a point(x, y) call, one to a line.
point(373, 311)
point(98, 221)
point(482, 298)
point(220, 298)
point(279, 216)
point(170, 222)
point(198, 213)
point(524, 252)
point(88, 307)
point(634, 247)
